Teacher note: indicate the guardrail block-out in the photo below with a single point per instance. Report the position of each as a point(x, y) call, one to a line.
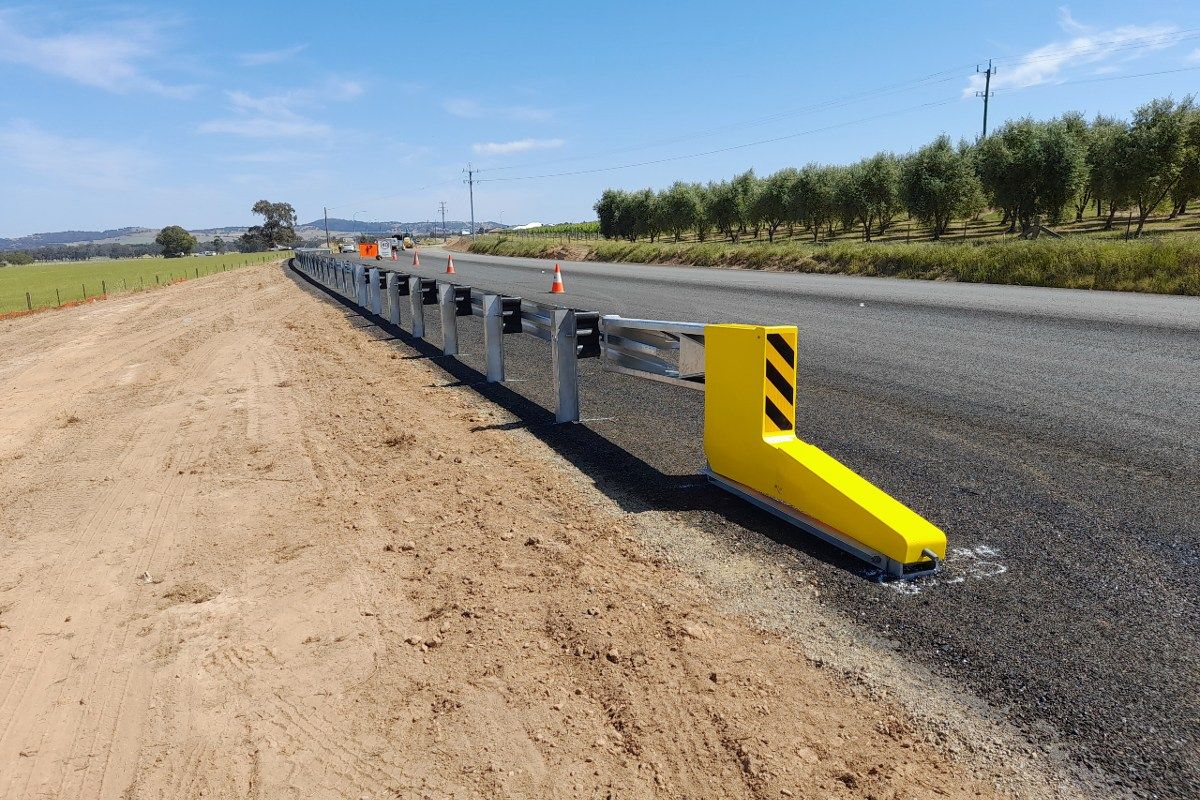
point(752, 449)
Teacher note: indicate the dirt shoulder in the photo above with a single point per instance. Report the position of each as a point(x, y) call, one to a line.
point(253, 551)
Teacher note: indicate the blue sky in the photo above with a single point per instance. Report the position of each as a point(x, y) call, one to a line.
point(186, 113)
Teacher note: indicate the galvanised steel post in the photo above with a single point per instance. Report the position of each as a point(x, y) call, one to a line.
point(448, 309)
point(493, 337)
point(373, 294)
point(564, 357)
point(418, 307)
point(393, 297)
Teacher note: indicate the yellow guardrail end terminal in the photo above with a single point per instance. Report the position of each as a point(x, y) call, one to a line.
point(750, 440)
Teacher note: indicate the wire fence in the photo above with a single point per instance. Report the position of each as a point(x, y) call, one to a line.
point(45, 290)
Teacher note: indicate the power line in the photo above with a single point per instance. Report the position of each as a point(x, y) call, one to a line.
point(1121, 45)
point(942, 76)
point(724, 149)
point(397, 194)
point(932, 79)
point(1104, 79)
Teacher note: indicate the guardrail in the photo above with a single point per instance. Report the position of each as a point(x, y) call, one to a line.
point(748, 374)
point(571, 333)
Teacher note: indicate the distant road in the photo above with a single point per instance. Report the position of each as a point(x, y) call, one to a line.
point(1054, 434)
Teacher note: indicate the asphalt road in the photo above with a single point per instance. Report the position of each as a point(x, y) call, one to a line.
point(1053, 434)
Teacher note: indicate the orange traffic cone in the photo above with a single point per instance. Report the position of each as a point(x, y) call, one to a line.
point(449, 264)
point(557, 287)
point(395, 257)
point(416, 258)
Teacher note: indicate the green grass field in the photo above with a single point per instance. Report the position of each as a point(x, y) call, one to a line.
point(53, 284)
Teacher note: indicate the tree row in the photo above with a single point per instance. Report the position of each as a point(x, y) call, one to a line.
point(1034, 172)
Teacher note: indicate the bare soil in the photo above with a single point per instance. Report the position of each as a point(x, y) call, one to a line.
point(250, 550)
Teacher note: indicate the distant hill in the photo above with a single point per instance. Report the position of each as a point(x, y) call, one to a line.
point(424, 228)
point(74, 237)
point(309, 230)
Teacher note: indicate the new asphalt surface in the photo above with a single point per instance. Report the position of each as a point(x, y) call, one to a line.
point(1053, 434)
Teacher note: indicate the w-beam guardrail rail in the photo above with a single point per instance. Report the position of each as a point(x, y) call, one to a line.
point(748, 374)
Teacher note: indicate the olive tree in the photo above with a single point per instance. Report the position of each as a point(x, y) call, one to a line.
point(680, 209)
point(1107, 175)
point(812, 197)
point(724, 209)
point(938, 183)
point(1032, 169)
point(1154, 153)
point(772, 204)
point(1188, 185)
point(608, 209)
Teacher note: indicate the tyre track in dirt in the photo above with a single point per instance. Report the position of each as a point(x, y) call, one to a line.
point(110, 681)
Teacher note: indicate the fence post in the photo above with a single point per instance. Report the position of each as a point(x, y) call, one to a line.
point(84, 286)
point(58, 297)
point(28, 301)
point(449, 311)
point(415, 295)
point(564, 355)
point(104, 288)
point(493, 337)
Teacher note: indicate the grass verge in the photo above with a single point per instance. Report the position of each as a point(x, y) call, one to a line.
point(59, 284)
point(1163, 266)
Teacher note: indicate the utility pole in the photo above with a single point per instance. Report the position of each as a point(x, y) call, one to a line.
point(471, 190)
point(327, 243)
point(986, 93)
point(443, 207)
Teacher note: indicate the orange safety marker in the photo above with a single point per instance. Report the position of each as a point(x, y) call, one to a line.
point(394, 255)
point(416, 258)
point(449, 264)
point(557, 287)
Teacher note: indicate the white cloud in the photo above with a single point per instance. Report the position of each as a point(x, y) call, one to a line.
point(269, 157)
point(463, 108)
point(104, 55)
point(1085, 47)
point(270, 56)
point(267, 127)
point(81, 162)
point(517, 146)
point(1068, 22)
point(1194, 58)
point(282, 115)
point(470, 109)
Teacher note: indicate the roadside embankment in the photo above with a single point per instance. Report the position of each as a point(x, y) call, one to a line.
point(253, 548)
point(1168, 266)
